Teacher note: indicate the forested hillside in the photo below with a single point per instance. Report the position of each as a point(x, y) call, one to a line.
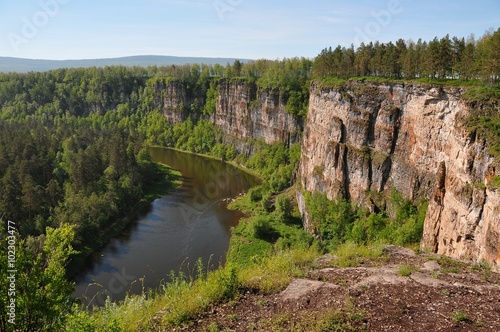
point(74, 161)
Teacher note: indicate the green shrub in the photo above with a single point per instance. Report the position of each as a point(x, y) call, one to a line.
point(255, 194)
point(351, 254)
point(283, 207)
point(494, 182)
point(338, 221)
point(262, 229)
point(405, 270)
point(459, 316)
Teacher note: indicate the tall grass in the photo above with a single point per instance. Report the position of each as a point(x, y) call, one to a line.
point(183, 298)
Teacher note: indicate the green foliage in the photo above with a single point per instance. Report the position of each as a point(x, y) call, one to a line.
point(283, 208)
point(351, 254)
point(332, 221)
point(450, 265)
point(211, 101)
point(73, 149)
point(182, 299)
point(405, 270)
point(255, 194)
point(339, 320)
point(484, 122)
point(339, 221)
point(446, 58)
point(41, 288)
point(262, 229)
point(275, 163)
point(459, 316)
point(485, 93)
point(84, 321)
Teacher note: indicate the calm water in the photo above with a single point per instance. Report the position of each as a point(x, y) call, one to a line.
point(189, 223)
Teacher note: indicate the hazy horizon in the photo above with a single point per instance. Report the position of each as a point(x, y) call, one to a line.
point(72, 30)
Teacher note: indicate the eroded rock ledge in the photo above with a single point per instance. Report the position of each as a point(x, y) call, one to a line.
point(365, 138)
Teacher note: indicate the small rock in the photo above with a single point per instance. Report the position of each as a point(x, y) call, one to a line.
point(431, 266)
point(397, 250)
point(299, 288)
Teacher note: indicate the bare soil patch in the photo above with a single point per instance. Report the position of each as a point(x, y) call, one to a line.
point(403, 292)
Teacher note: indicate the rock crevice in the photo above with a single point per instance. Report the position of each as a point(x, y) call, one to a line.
point(369, 137)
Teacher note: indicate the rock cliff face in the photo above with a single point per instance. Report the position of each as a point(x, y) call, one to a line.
point(173, 98)
point(243, 112)
point(363, 139)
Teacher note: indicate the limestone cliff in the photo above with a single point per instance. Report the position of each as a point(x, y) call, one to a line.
point(173, 98)
point(243, 111)
point(363, 139)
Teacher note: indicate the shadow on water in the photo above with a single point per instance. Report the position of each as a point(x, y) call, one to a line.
point(189, 223)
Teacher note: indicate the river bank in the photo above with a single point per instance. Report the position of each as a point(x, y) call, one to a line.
point(167, 180)
point(189, 224)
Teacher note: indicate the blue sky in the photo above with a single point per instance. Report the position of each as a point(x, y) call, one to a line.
point(76, 29)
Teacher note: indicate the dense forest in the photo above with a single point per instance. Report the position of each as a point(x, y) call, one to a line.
point(445, 58)
point(74, 158)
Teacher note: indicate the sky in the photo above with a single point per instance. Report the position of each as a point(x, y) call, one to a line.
point(245, 29)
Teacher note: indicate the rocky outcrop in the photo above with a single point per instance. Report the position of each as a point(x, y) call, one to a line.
point(243, 111)
point(173, 98)
point(363, 139)
point(246, 112)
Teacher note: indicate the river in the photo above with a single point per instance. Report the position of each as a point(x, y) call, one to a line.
point(189, 223)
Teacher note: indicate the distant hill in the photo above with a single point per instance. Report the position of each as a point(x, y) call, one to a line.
point(20, 65)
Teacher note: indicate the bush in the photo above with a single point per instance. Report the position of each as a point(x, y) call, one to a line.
point(283, 207)
point(338, 221)
point(255, 194)
point(262, 229)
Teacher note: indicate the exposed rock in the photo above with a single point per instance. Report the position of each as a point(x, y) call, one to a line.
point(371, 297)
point(385, 276)
point(173, 98)
point(245, 112)
point(397, 250)
point(431, 266)
point(363, 139)
point(300, 288)
point(367, 138)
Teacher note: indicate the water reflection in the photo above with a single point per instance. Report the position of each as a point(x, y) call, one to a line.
point(189, 223)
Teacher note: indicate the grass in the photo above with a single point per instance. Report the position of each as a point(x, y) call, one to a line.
point(485, 268)
point(459, 316)
point(351, 254)
point(449, 265)
point(329, 319)
point(482, 92)
point(330, 82)
point(494, 182)
point(480, 88)
point(275, 272)
point(405, 270)
point(183, 298)
point(347, 319)
point(485, 118)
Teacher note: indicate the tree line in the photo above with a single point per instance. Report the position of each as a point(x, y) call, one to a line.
point(440, 58)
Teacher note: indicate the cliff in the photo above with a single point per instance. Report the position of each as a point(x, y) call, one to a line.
point(363, 139)
point(247, 112)
point(176, 102)
point(244, 112)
